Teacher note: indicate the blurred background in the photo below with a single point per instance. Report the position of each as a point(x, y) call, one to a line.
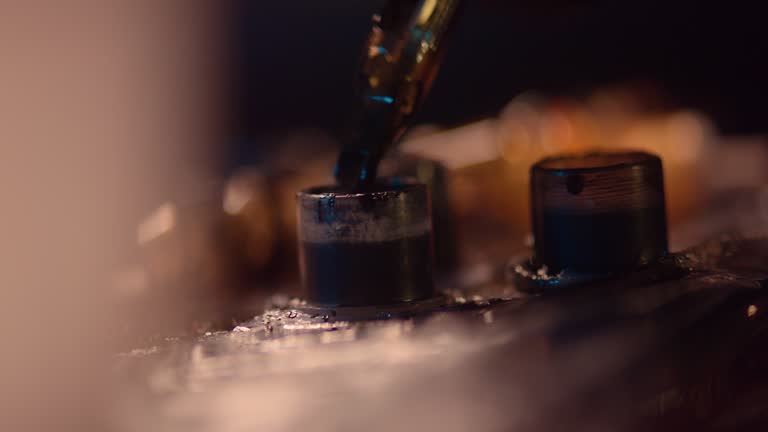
point(520, 81)
point(706, 56)
point(151, 151)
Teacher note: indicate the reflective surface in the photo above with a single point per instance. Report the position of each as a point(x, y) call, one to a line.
point(599, 212)
point(679, 352)
point(401, 60)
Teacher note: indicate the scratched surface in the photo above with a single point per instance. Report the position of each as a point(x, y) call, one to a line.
point(677, 352)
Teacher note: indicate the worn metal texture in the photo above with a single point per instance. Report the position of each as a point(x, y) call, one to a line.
point(677, 352)
point(600, 212)
point(366, 248)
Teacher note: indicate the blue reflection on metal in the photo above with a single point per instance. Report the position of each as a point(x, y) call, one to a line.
point(550, 282)
point(326, 208)
point(386, 99)
point(424, 35)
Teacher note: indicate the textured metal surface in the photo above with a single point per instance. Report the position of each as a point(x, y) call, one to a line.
point(393, 210)
point(598, 213)
point(675, 352)
point(635, 357)
point(371, 248)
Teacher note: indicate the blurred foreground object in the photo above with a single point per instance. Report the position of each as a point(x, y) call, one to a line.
point(99, 102)
point(206, 259)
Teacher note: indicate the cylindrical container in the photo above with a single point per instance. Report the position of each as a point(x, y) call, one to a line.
point(366, 249)
point(598, 212)
point(434, 175)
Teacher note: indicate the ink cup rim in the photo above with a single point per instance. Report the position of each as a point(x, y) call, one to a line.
point(386, 185)
point(606, 161)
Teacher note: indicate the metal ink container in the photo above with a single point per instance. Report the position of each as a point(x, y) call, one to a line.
point(366, 248)
point(598, 213)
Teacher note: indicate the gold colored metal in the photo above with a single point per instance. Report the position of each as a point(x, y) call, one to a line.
point(401, 59)
point(403, 54)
